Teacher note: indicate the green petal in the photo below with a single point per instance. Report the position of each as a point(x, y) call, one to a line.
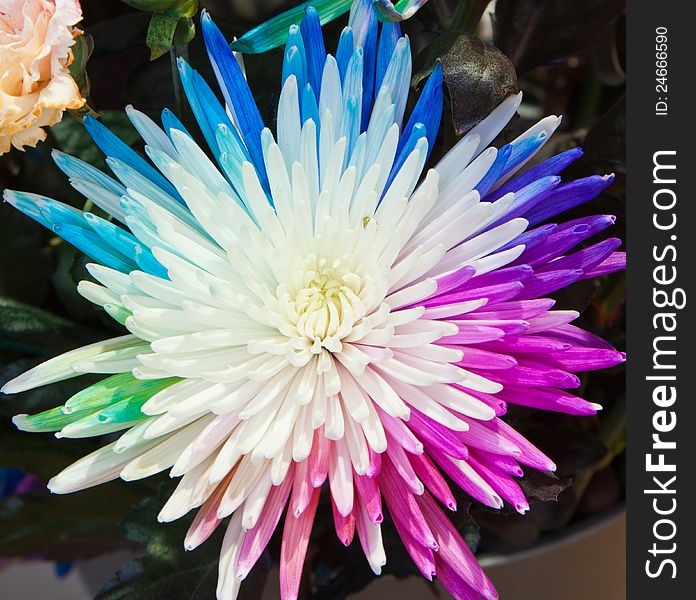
point(274, 32)
point(53, 419)
point(115, 388)
point(99, 408)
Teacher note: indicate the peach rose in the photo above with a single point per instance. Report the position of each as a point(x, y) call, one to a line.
point(35, 85)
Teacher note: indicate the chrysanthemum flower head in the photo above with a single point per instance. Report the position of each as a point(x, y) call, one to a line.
point(308, 311)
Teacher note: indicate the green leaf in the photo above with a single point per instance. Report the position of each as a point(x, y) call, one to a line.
point(478, 77)
point(160, 34)
point(274, 32)
point(25, 328)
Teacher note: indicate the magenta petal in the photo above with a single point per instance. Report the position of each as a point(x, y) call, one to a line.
point(370, 497)
point(345, 526)
point(403, 507)
point(294, 548)
point(433, 480)
point(257, 538)
point(453, 550)
point(531, 455)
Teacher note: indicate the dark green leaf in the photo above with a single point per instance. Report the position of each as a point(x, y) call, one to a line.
point(543, 32)
point(478, 77)
point(25, 328)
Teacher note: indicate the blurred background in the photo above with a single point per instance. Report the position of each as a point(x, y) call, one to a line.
point(569, 59)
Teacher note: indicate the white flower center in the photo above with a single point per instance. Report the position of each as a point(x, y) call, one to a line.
point(322, 301)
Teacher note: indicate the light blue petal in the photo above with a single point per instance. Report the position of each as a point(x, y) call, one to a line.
point(398, 11)
point(309, 107)
point(195, 161)
point(235, 90)
point(114, 236)
point(294, 64)
point(398, 77)
point(112, 146)
point(44, 210)
point(295, 58)
point(79, 169)
point(136, 182)
point(417, 132)
point(151, 133)
point(233, 155)
point(107, 200)
point(314, 46)
point(523, 149)
point(148, 263)
point(93, 246)
point(204, 104)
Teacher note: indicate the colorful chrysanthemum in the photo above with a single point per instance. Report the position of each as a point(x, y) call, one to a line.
point(312, 312)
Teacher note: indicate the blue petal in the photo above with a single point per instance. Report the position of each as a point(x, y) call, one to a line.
point(344, 52)
point(495, 172)
point(363, 22)
point(428, 110)
point(235, 90)
point(171, 121)
point(551, 166)
point(524, 149)
point(569, 196)
point(314, 46)
point(391, 32)
point(111, 145)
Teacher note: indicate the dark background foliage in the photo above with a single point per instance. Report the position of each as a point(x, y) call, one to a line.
point(568, 57)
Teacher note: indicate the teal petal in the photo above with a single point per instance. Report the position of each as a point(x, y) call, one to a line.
point(274, 32)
